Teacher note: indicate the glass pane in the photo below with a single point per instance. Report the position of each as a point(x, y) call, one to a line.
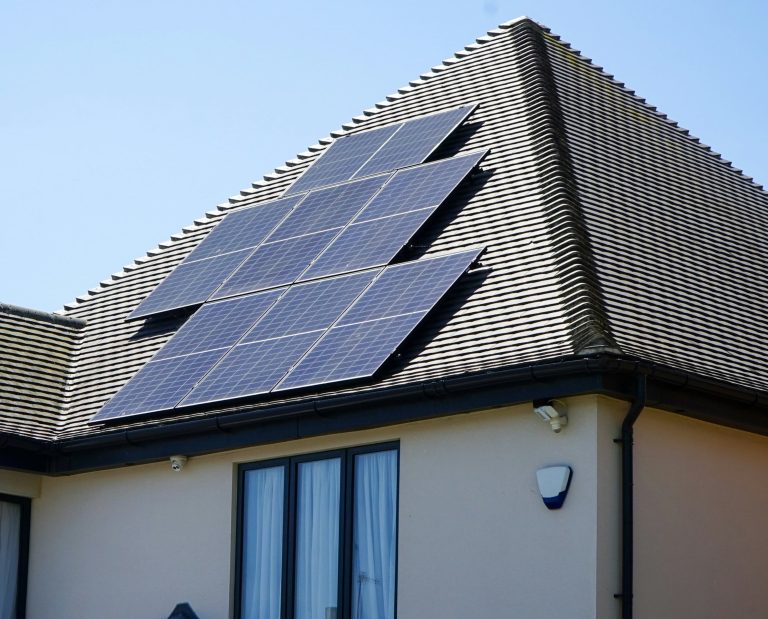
point(317, 540)
point(263, 543)
point(10, 532)
point(375, 528)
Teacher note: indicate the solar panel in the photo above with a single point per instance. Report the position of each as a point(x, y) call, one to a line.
point(275, 264)
point(415, 141)
point(367, 244)
point(191, 283)
point(218, 325)
point(378, 322)
point(280, 338)
point(302, 236)
point(312, 306)
point(327, 209)
point(342, 158)
point(159, 385)
point(421, 186)
point(410, 287)
point(251, 369)
point(393, 216)
point(243, 228)
point(352, 351)
point(215, 258)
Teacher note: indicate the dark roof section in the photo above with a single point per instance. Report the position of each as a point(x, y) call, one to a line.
point(595, 210)
point(679, 236)
point(36, 349)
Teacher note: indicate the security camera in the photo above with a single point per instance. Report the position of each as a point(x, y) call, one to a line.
point(553, 412)
point(178, 462)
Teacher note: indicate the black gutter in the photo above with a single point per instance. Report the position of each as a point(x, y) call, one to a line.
point(627, 496)
point(262, 423)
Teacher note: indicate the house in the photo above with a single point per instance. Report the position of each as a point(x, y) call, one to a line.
point(614, 284)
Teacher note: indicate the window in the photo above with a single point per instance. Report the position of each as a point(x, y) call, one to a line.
point(317, 536)
point(14, 550)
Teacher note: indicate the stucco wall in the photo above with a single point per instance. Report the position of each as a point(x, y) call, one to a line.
point(475, 539)
point(700, 509)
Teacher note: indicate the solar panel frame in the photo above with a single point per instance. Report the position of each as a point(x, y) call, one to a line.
point(329, 208)
point(279, 339)
point(158, 386)
point(401, 288)
point(311, 306)
point(412, 133)
point(189, 284)
point(244, 228)
point(367, 244)
point(322, 362)
point(366, 345)
point(209, 269)
point(349, 164)
point(423, 186)
point(286, 259)
point(220, 324)
point(386, 225)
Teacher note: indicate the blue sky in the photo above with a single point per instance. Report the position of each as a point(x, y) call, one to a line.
point(122, 122)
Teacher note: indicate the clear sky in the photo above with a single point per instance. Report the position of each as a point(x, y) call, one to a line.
point(121, 122)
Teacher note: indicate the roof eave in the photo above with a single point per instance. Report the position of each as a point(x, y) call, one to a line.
point(604, 374)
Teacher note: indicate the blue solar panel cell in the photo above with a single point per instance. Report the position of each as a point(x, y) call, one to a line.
point(159, 385)
point(410, 287)
point(219, 325)
point(275, 264)
point(310, 307)
point(367, 244)
point(352, 351)
point(415, 141)
point(189, 284)
point(243, 228)
point(421, 187)
point(252, 369)
point(342, 158)
point(327, 209)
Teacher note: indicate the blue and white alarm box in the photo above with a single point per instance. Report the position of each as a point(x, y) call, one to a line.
point(553, 484)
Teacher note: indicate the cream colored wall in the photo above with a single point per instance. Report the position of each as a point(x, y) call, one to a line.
point(700, 520)
point(20, 484)
point(475, 539)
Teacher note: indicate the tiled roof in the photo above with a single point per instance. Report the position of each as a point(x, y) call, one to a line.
point(608, 228)
point(36, 350)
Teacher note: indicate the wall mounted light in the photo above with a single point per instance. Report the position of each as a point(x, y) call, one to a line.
point(178, 462)
point(553, 412)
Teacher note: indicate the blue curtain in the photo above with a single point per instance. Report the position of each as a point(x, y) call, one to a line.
point(375, 522)
point(317, 540)
point(262, 543)
point(10, 532)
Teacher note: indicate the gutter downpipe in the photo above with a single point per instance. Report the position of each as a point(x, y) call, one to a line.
point(627, 500)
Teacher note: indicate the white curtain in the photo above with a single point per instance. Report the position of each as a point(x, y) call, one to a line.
point(317, 540)
point(374, 550)
point(10, 532)
point(262, 543)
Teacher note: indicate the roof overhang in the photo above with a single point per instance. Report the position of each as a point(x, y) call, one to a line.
point(603, 374)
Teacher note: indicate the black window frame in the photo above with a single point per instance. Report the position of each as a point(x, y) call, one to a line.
point(22, 569)
point(346, 521)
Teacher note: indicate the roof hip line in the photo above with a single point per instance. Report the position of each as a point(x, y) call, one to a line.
point(569, 240)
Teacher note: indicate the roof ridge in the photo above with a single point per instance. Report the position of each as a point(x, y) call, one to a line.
point(39, 315)
point(300, 158)
point(569, 240)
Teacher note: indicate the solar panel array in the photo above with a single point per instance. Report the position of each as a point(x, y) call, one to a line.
point(297, 291)
point(380, 150)
point(215, 258)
